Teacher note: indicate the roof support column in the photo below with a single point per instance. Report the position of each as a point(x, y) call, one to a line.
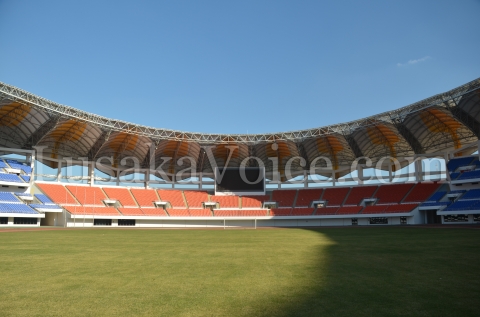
point(390, 173)
point(305, 178)
point(418, 170)
point(333, 178)
point(91, 173)
point(59, 169)
point(200, 180)
point(360, 174)
point(147, 179)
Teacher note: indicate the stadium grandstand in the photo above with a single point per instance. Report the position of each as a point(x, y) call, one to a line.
point(61, 166)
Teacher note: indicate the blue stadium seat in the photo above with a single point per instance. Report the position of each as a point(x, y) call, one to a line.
point(8, 197)
point(436, 196)
point(469, 175)
point(471, 194)
point(16, 208)
point(45, 206)
point(453, 164)
point(44, 199)
point(462, 205)
point(9, 178)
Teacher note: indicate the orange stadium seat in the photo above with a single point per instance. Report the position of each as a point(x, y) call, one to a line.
point(131, 211)
point(58, 194)
point(99, 211)
point(302, 211)
point(376, 209)
point(349, 210)
point(358, 193)
point(229, 201)
point(400, 208)
point(392, 194)
point(153, 212)
point(306, 196)
point(200, 212)
point(88, 196)
point(284, 198)
point(121, 194)
point(326, 211)
point(280, 211)
point(173, 196)
point(178, 212)
point(240, 213)
point(421, 192)
point(144, 197)
point(254, 201)
point(335, 196)
point(195, 198)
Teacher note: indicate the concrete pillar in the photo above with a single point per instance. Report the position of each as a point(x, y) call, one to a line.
point(305, 178)
point(200, 180)
point(390, 173)
point(418, 171)
point(91, 173)
point(360, 174)
point(59, 169)
point(333, 178)
point(147, 179)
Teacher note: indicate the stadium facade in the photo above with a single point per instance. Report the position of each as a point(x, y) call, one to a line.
point(315, 177)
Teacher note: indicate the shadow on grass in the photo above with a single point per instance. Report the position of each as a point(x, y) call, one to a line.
point(391, 272)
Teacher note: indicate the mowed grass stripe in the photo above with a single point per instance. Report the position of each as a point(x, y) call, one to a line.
point(294, 272)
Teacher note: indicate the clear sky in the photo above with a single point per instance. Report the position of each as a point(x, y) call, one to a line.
point(238, 66)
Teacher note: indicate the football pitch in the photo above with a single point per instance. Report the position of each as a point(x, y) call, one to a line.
point(399, 271)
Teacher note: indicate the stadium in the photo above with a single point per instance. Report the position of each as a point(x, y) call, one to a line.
point(77, 169)
point(72, 180)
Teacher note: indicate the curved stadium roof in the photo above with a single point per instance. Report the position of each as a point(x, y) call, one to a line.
point(444, 122)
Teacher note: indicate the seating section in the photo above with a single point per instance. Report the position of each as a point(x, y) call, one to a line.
point(240, 213)
point(469, 175)
point(87, 195)
point(471, 194)
point(302, 211)
point(357, 194)
point(200, 212)
point(195, 199)
point(284, 198)
point(226, 201)
point(42, 206)
point(178, 212)
point(306, 196)
point(335, 196)
point(349, 210)
point(58, 193)
point(464, 205)
point(174, 197)
point(421, 192)
point(8, 197)
point(154, 212)
point(131, 211)
point(254, 201)
point(12, 178)
point(121, 194)
point(100, 211)
point(392, 194)
point(16, 208)
point(455, 163)
point(280, 211)
point(17, 165)
point(437, 196)
point(326, 211)
point(144, 197)
point(394, 208)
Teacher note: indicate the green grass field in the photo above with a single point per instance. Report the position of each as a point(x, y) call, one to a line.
point(286, 272)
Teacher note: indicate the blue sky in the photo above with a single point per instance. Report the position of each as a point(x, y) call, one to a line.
point(238, 66)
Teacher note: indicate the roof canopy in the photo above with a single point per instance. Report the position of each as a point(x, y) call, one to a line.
point(444, 122)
